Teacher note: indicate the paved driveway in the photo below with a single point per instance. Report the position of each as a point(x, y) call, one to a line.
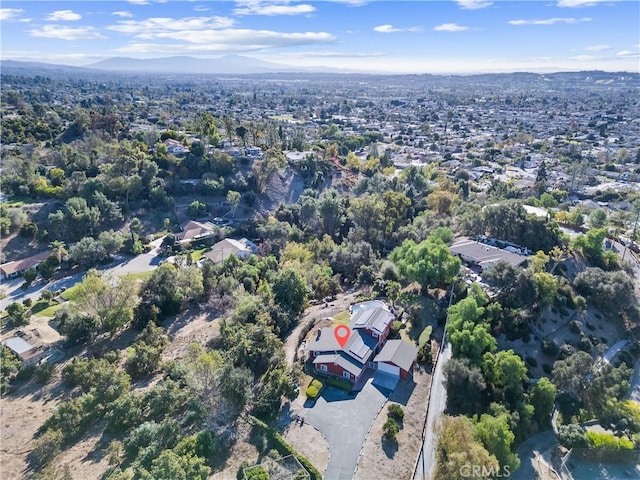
point(344, 420)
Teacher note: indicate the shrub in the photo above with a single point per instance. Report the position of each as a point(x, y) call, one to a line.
point(285, 449)
point(608, 441)
point(550, 347)
point(395, 411)
point(575, 327)
point(425, 336)
point(312, 392)
point(395, 327)
point(572, 436)
point(46, 448)
point(390, 430)
point(532, 362)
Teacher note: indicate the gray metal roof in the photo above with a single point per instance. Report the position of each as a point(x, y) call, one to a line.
point(376, 319)
point(19, 345)
point(483, 254)
point(326, 342)
point(342, 360)
point(399, 353)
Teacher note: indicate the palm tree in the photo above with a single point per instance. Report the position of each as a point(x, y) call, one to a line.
point(58, 250)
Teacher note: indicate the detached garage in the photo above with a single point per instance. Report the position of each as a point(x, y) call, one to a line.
point(396, 358)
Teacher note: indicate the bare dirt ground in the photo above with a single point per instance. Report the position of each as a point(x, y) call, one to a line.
point(381, 459)
point(191, 326)
point(22, 413)
point(242, 450)
point(309, 442)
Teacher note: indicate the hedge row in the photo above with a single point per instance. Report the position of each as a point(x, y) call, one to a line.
point(284, 448)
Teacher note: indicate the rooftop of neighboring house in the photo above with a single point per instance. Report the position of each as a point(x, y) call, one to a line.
point(17, 266)
point(193, 230)
point(484, 255)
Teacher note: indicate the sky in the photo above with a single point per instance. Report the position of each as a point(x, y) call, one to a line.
point(439, 37)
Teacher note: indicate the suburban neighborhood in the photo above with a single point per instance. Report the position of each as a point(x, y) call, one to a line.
point(278, 273)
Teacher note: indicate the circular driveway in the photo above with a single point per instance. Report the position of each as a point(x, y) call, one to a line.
point(344, 419)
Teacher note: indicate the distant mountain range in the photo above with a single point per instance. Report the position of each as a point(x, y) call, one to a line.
point(241, 65)
point(235, 64)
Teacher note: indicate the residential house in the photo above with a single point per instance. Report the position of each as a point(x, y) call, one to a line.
point(484, 256)
point(222, 250)
point(174, 147)
point(25, 348)
point(17, 267)
point(193, 231)
point(370, 323)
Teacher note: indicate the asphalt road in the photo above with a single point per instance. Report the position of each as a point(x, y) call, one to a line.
point(529, 450)
point(437, 406)
point(344, 420)
point(122, 266)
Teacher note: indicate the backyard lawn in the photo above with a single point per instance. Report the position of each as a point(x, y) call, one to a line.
point(341, 318)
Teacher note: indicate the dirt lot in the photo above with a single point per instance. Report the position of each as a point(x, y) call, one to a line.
point(22, 413)
point(380, 459)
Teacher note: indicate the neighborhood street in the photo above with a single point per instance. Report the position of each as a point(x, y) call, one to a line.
point(437, 406)
point(121, 266)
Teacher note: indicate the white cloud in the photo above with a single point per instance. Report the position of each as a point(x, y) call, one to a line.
point(201, 8)
point(7, 13)
point(584, 57)
point(351, 3)
point(597, 48)
point(391, 29)
point(247, 37)
point(332, 54)
point(67, 33)
point(450, 27)
point(64, 16)
point(122, 14)
point(139, 2)
point(473, 4)
point(580, 3)
point(628, 53)
point(151, 26)
point(550, 21)
point(253, 7)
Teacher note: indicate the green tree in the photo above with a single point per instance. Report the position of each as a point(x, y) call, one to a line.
point(18, 314)
point(290, 291)
point(429, 262)
point(197, 209)
point(234, 200)
point(598, 218)
point(29, 275)
point(458, 448)
point(465, 386)
point(87, 253)
point(497, 437)
point(58, 250)
point(507, 372)
point(471, 341)
point(171, 466)
point(543, 397)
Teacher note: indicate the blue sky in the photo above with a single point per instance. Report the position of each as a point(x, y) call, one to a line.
point(452, 36)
